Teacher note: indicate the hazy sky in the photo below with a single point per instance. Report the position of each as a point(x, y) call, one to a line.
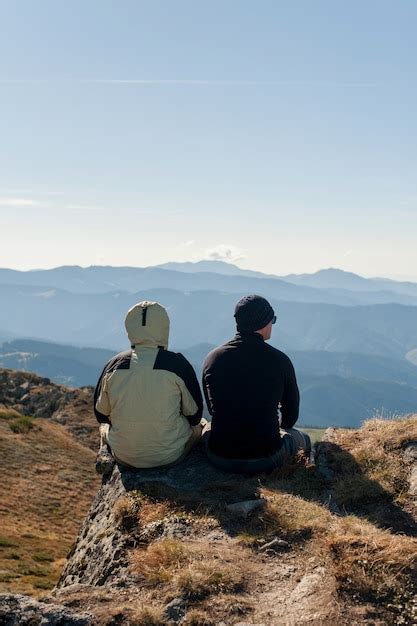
point(282, 134)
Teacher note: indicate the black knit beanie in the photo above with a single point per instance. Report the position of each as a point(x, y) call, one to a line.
point(253, 313)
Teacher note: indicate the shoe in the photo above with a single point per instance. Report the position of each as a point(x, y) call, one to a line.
point(104, 461)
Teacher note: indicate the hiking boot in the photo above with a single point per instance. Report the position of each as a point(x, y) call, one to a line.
point(104, 461)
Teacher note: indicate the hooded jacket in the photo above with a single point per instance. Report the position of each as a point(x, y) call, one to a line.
point(149, 395)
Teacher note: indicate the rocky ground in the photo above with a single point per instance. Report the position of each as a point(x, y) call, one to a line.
point(329, 541)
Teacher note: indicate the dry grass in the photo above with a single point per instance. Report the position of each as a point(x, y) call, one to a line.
point(8, 413)
point(151, 512)
point(372, 564)
point(47, 485)
point(197, 617)
point(160, 560)
point(148, 616)
point(377, 450)
point(211, 576)
point(288, 515)
point(191, 568)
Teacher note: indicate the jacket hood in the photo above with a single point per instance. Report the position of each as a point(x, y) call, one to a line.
point(147, 324)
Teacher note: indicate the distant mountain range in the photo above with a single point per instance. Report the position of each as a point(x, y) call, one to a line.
point(336, 388)
point(327, 286)
point(196, 316)
point(353, 340)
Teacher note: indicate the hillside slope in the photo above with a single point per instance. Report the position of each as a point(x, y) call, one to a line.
point(325, 543)
point(47, 482)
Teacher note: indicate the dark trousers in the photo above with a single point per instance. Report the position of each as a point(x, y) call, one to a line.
point(293, 441)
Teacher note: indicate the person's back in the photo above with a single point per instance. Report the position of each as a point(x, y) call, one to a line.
point(246, 382)
point(149, 395)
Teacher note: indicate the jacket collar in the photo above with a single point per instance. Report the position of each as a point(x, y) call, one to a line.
point(249, 336)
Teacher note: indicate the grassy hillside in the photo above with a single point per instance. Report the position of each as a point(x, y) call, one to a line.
point(47, 483)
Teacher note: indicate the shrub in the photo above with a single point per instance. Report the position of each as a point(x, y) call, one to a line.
point(22, 424)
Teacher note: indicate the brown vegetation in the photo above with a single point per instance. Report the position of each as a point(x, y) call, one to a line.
point(349, 535)
point(47, 485)
point(372, 564)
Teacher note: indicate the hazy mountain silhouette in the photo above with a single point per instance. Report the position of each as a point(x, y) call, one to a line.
point(333, 278)
point(196, 316)
point(219, 267)
point(101, 279)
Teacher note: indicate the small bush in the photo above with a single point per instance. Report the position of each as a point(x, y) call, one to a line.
point(22, 424)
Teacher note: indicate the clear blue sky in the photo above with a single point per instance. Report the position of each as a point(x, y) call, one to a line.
point(282, 134)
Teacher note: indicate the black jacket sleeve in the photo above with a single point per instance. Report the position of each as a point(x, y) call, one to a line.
point(102, 419)
point(177, 363)
point(190, 379)
point(120, 361)
point(290, 403)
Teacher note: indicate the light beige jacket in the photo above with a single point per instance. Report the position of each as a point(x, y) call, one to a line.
point(149, 395)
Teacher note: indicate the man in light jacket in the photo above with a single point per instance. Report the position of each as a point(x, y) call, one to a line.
point(148, 400)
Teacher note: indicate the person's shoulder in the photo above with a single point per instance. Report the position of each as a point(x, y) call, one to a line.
point(174, 362)
point(119, 361)
point(278, 354)
point(217, 352)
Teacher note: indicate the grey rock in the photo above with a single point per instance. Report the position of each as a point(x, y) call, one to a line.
point(275, 545)
point(308, 585)
point(244, 509)
point(413, 482)
point(175, 610)
point(19, 610)
point(321, 460)
point(410, 453)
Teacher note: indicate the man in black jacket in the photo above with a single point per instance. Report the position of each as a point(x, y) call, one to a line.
point(247, 383)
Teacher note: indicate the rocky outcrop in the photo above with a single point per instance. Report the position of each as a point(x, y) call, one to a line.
point(100, 554)
point(18, 610)
point(33, 395)
point(36, 396)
